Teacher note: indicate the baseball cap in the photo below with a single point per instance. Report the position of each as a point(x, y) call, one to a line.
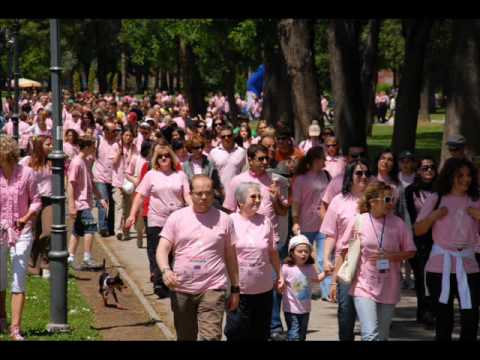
point(314, 129)
point(456, 141)
point(298, 240)
point(406, 155)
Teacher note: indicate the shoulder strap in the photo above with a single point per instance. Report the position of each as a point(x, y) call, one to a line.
point(327, 174)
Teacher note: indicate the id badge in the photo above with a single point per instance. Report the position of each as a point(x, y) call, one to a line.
point(383, 265)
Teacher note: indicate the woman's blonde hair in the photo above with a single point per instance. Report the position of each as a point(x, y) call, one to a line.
point(374, 190)
point(173, 157)
point(9, 149)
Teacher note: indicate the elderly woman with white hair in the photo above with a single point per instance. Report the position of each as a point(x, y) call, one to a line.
point(257, 258)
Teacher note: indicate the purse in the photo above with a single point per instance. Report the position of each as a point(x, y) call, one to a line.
point(348, 269)
point(128, 186)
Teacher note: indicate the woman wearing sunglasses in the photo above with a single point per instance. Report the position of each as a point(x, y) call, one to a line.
point(168, 190)
point(415, 197)
point(385, 241)
point(341, 211)
point(452, 270)
point(198, 163)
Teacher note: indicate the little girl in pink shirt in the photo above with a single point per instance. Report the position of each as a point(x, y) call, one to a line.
point(298, 272)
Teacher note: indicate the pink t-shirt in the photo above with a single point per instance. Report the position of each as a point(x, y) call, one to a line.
point(266, 206)
point(369, 282)
point(199, 241)
point(80, 177)
point(335, 165)
point(228, 163)
point(43, 178)
point(167, 193)
point(71, 151)
point(340, 212)
point(254, 241)
point(103, 168)
point(456, 230)
point(18, 196)
point(307, 191)
point(297, 296)
point(333, 189)
point(118, 171)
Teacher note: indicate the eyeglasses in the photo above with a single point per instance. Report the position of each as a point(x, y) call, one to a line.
point(262, 158)
point(361, 173)
point(331, 145)
point(427, 167)
point(226, 136)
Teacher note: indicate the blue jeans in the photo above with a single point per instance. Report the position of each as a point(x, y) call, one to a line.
point(346, 313)
point(276, 323)
point(318, 240)
point(104, 223)
point(297, 325)
point(375, 318)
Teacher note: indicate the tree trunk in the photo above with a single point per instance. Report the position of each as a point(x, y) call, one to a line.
point(124, 71)
point(297, 46)
point(192, 82)
point(84, 75)
point(463, 101)
point(408, 100)
point(425, 95)
point(350, 126)
point(277, 97)
point(369, 73)
point(146, 77)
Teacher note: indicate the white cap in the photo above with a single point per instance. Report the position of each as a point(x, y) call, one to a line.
point(298, 240)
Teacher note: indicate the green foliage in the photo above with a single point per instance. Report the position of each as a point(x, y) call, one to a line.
point(322, 62)
point(391, 45)
point(384, 87)
point(77, 84)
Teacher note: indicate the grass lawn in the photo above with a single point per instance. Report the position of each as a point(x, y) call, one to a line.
point(428, 142)
point(36, 315)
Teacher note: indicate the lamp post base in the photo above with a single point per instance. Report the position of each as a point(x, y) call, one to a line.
point(58, 328)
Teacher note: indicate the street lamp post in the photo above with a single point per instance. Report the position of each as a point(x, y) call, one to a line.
point(16, 74)
point(58, 253)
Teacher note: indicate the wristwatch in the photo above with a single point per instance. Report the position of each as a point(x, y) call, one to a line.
point(164, 270)
point(235, 289)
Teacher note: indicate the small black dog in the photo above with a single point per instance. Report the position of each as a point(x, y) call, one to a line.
point(108, 284)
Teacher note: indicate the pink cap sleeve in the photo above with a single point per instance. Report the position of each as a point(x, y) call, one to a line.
point(145, 186)
point(169, 230)
point(329, 224)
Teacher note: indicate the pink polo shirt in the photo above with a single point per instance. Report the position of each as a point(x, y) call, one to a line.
point(297, 296)
point(43, 178)
point(335, 165)
point(382, 288)
point(199, 242)
point(80, 178)
point(266, 206)
point(307, 191)
point(333, 189)
point(18, 196)
point(254, 241)
point(228, 163)
point(103, 168)
point(340, 213)
point(167, 193)
point(456, 230)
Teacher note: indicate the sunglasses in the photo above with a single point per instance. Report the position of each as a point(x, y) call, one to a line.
point(427, 167)
point(262, 158)
point(164, 156)
point(218, 124)
point(357, 155)
point(361, 173)
point(387, 199)
point(227, 136)
point(331, 145)
point(198, 147)
point(201, 126)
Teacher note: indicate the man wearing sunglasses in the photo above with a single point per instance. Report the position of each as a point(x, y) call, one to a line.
point(285, 146)
point(229, 158)
point(334, 163)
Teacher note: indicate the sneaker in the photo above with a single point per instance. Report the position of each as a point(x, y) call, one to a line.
point(3, 325)
point(278, 336)
point(90, 264)
point(70, 260)
point(119, 236)
point(104, 233)
point(15, 334)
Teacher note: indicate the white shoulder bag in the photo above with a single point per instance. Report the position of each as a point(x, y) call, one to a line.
point(348, 269)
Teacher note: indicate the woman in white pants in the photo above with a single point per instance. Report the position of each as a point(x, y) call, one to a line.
point(19, 202)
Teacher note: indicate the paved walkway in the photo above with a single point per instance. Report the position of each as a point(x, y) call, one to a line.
point(323, 319)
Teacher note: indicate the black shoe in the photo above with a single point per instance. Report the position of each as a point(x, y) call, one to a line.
point(278, 336)
point(161, 291)
point(104, 233)
point(429, 320)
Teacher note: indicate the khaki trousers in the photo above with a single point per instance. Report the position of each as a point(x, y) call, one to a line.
point(123, 203)
point(198, 315)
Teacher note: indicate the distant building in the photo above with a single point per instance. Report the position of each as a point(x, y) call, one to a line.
point(385, 76)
